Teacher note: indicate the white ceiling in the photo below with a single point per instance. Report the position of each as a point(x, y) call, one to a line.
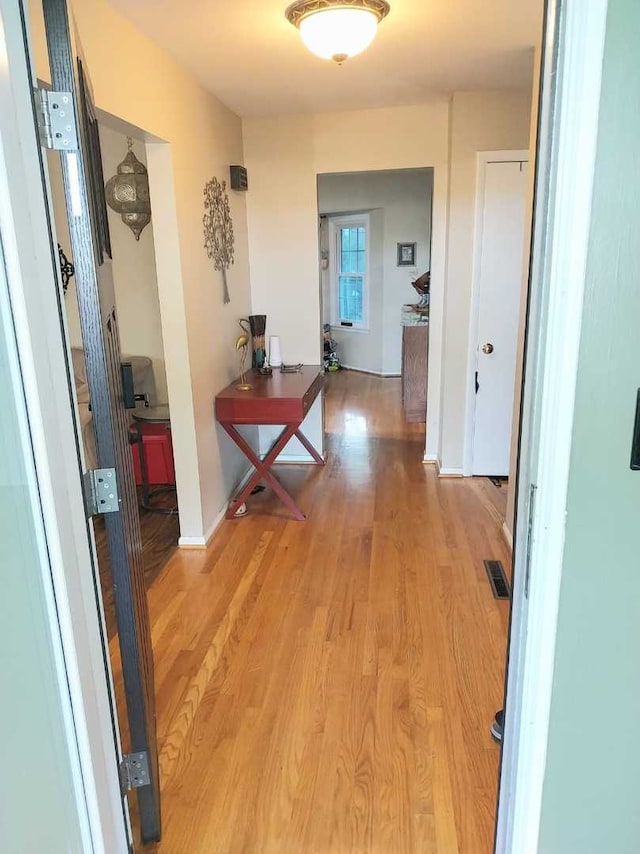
point(250, 56)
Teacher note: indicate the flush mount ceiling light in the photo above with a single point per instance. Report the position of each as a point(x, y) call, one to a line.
point(337, 29)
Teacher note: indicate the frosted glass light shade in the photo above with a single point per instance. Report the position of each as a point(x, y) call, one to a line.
point(337, 29)
point(338, 33)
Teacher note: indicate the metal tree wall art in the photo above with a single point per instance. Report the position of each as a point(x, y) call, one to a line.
point(218, 229)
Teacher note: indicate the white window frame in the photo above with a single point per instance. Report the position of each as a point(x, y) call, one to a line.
point(335, 224)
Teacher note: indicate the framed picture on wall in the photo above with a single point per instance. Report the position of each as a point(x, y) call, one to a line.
point(406, 254)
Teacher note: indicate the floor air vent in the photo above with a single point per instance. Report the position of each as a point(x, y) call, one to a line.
point(497, 579)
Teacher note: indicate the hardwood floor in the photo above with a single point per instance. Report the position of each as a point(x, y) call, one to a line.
point(159, 540)
point(327, 686)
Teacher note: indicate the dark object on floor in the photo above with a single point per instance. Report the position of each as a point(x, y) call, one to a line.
point(498, 481)
point(497, 726)
point(257, 489)
point(331, 361)
point(497, 579)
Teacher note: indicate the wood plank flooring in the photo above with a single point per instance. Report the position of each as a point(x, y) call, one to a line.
point(159, 540)
point(327, 686)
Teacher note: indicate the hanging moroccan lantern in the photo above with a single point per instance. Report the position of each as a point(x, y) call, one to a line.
point(128, 192)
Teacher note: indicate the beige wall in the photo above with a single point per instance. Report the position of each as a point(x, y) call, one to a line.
point(134, 268)
point(480, 121)
point(134, 272)
point(138, 82)
point(284, 156)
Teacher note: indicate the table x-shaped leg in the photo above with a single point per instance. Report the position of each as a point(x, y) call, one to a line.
point(262, 467)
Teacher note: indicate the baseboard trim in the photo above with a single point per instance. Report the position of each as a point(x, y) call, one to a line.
point(369, 373)
point(508, 536)
point(449, 472)
point(430, 460)
point(296, 459)
point(204, 541)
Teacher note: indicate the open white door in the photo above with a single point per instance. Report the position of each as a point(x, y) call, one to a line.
point(502, 195)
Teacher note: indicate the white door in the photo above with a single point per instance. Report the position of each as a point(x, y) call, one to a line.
point(501, 225)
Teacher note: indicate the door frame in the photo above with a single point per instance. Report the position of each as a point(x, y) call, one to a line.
point(482, 159)
point(36, 296)
point(44, 364)
point(567, 137)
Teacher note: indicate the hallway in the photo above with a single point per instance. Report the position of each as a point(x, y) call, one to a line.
point(327, 686)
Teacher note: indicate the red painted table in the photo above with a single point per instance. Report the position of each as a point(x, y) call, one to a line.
point(279, 399)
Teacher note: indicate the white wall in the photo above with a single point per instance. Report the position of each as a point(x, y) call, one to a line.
point(480, 121)
point(190, 137)
point(399, 202)
point(284, 155)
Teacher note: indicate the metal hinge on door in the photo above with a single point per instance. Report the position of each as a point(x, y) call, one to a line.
point(134, 771)
point(100, 491)
point(56, 120)
point(532, 506)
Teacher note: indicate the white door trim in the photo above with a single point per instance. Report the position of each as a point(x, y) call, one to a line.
point(482, 158)
point(567, 151)
point(34, 288)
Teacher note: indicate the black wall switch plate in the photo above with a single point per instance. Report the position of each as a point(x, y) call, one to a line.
point(635, 444)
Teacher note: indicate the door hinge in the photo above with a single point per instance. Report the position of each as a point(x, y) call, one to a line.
point(101, 491)
point(134, 771)
point(56, 120)
point(532, 506)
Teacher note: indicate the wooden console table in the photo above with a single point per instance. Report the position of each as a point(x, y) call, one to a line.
point(278, 399)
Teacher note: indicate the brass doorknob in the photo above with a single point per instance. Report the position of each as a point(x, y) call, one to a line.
point(487, 348)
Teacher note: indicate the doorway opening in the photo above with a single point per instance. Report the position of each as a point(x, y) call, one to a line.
point(142, 348)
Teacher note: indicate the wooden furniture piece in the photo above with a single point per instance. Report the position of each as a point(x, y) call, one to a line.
point(415, 349)
point(154, 455)
point(278, 399)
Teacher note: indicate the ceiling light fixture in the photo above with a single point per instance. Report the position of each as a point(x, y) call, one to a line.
point(337, 29)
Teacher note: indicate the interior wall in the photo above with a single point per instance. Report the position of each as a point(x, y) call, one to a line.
point(590, 794)
point(284, 156)
point(399, 203)
point(480, 121)
point(134, 271)
point(134, 268)
point(191, 137)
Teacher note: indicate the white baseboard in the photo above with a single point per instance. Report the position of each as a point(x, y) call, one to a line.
point(506, 533)
point(370, 373)
point(430, 459)
point(203, 542)
point(288, 459)
point(450, 472)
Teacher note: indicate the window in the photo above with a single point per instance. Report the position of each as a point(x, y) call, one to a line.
point(350, 263)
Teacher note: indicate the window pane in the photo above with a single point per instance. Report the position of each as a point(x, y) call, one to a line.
point(362, 244)
point(360, 262)
point(351, 288)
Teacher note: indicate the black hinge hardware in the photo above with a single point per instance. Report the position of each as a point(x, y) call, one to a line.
point(532, 502)
point(635, 442)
